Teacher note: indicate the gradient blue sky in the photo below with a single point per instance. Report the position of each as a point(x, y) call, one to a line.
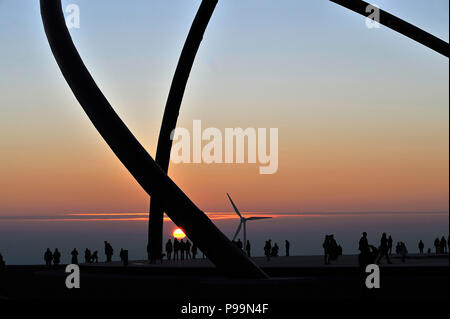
point(362, 114)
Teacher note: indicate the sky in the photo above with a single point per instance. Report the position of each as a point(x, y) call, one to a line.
point(362, 113)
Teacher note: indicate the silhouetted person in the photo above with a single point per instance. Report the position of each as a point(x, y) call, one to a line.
point(87, 256)
point(48, 257)
point(443, 245)
point(95, 257)
point(109, 252)
point(267, 249)
point(248, 248)
point(239, 244)
point(182, 249)
point(74, 254)
point(364, 244)
point(124, 257)
point(390, 244)
point(187, 247)
point(335, 250)
point(403, 251)
point(169, 248)
point(398, 248)
point(421, 247)
point(194, 250)
point(326, 250)
point(287, 245)
point(384, 249)
point(368, 256)
point(275, 249)
point(2, 262)
point(437, 245)
point(56, 257)
point(176, 249)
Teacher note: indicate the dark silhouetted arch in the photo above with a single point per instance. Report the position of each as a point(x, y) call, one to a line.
point(184, 213)
point(399, 25)
point(169, 122)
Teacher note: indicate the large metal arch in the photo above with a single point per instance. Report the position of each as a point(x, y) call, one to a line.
point(181, 76)
point(183, 212)
point(399, 25)
point(169, 121)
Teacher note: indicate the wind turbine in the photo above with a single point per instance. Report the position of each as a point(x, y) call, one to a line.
point(243, 221)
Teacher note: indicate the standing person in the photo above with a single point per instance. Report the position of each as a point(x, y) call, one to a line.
point(124, 257)
point(364, 243)
point(239, 243)
point(390, 244)
point(443, 245)
point(421, 247)
point(275, 249)
point(2, 262)
point(368, 253)
point(48, 257)
point(169, 248)
point(326, 250)
point(188, 249)
point(194, 250)
point(109, 252)
point(182, 249)
point(267, 249)
point(176, 249)
point(74, 254)
point(87, 256)
point(248, 248)
point(287, 245)
point(403, 251)
point(384, 249)
point(437, 245)
point(56, 257)
point(95, 257)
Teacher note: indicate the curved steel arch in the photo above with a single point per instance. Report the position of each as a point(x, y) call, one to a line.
point(399, 25)
point(225, 255)
point(169, 122)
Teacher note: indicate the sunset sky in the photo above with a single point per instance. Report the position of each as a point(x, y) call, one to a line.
point(362, 114)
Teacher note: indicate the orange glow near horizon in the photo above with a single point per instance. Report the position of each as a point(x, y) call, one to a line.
point(178, 233)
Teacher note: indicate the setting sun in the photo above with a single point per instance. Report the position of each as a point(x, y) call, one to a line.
point(178, 233)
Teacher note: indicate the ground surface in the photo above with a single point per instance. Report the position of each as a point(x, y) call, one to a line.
point(295, 281)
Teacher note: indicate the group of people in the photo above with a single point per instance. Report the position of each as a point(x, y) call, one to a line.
point(331, 249)
point(273, 251)
point(89, 257)
point(441, 245)
point(181, 250)
point(54, 257)
point(370, 254)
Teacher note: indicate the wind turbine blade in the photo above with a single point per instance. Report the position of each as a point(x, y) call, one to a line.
point(234, 206)
point(238, 230)
point(256, 218)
